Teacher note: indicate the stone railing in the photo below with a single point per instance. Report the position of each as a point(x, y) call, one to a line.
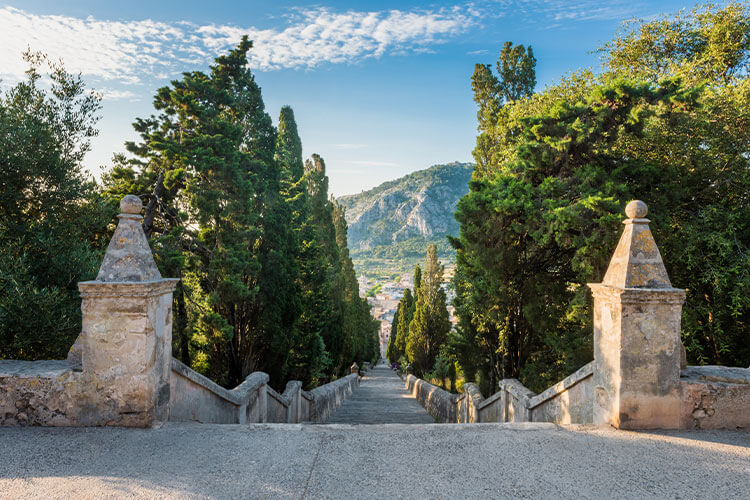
point(120, 370)
point(195, 398)
point(567, 402)
point(638, 379)
point(439, 403)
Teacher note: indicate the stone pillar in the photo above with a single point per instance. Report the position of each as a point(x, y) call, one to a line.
point(126, 337)
point(637, 342)
point(354, 368)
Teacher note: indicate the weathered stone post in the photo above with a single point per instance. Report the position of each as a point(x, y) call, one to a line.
point(354, 368)
point(126, 337)
point(637, 343)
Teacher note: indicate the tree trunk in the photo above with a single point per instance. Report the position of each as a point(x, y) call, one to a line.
point(153, 205)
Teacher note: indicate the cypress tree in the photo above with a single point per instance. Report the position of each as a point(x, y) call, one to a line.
point(430, 325)
point(210, 157)
point(406, 308)
point(308, 359)
point(330, 295)
point(391, 352)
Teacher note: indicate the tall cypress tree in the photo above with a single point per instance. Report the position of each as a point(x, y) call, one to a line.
point(216, 213)
point(407, 305)
point(308, 359)
point(429, 328)
point(330, 296)
point(406, 308)
point(391, 353)
point(359, 329)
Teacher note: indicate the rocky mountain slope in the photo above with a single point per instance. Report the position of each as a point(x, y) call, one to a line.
point(400, 217)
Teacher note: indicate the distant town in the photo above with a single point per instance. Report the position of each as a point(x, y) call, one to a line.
point(383, 294)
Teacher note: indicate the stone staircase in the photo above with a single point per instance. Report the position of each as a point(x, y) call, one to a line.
point(380, 399)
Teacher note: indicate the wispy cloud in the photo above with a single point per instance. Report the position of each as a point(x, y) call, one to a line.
point(130, 52)
point(551, 12)
point(477, 52)
point(115, 94)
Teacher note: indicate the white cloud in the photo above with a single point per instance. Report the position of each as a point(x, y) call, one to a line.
point(130, 52)
point(567, 11)
point(115, 94)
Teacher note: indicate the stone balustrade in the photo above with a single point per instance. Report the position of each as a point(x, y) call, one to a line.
point(638, 379)
point(120, 371)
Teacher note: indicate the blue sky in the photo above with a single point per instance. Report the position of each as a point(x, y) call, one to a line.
point(379, 89)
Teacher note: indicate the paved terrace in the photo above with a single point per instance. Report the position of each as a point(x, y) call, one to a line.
point(380, 399)
point(371, 461)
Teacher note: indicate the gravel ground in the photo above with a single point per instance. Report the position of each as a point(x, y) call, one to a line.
point(369, 461)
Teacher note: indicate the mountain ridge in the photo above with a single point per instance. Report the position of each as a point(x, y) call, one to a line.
point(399, 218)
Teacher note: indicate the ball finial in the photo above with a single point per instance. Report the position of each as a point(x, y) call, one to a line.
point(636, 209)
point(131, 204)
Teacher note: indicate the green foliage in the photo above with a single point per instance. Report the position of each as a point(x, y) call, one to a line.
point(53, 224)
point(266, 278)
point(267, 282)
point(360, 330)
point(517, 70)
point(555, 170)
point(374, 290)
point(429, 327)
point(211, 153)
point(400, 331)
point(391, 353)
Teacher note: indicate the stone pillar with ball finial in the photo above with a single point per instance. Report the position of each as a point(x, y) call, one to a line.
point(637, 347)
point(125, 346)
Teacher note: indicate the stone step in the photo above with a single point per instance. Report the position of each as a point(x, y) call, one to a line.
point(380, 399)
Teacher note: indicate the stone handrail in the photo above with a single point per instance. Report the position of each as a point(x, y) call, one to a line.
point(439, 403)
point(326, 398)
point(120, 371)
point(194, 397)
point(568, 401)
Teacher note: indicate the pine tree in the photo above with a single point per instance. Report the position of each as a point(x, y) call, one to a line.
point(517, 69)
point(216, 214)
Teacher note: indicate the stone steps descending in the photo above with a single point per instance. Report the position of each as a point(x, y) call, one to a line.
point(380, 399)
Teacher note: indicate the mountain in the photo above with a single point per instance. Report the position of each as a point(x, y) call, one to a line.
point(396, 220)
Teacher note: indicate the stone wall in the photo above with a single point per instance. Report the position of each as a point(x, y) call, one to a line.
point(120, 370)
point(715, 397)
point(195, 398)
point(328, 397)
point(39, 393)
point(440, 404)
point(570, 401)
